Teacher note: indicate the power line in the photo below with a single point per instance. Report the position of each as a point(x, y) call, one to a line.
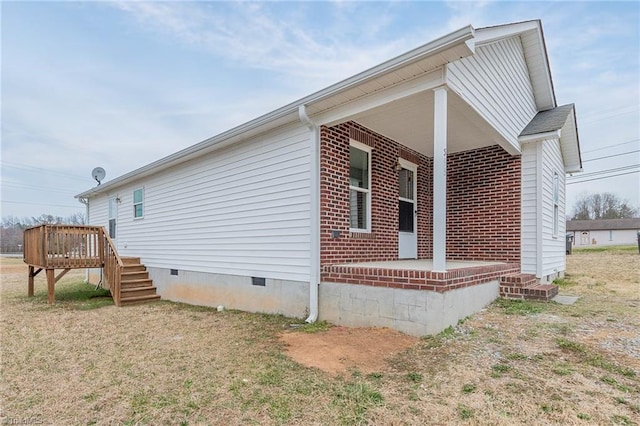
point(39, 204)
point(604, 177)
point(611, 156)
point(27, 167)
point(617, 169)
point(611, 146)
point(37, 188)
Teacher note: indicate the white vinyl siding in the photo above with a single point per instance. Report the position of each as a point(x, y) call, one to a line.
point(99, 211)
point(528, 240)
point(241, 210)
point(553, 246)
point(495, 82)
point(543, 250)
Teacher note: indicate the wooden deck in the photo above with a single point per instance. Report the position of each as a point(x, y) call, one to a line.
point(66, 247)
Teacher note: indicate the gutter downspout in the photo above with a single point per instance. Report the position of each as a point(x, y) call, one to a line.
point(314, 276)
point(85, 201)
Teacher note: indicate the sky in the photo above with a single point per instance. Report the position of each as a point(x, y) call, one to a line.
point(121, 84)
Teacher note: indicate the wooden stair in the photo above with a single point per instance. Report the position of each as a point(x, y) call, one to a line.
point(526, 286)
point(135, 284)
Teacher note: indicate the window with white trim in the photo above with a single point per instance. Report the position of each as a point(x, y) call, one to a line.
point(113, 214)
point(556, 209)
point(359, 187)
point(138, 203)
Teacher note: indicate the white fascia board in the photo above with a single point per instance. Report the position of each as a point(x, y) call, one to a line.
point(540, 136)
point(402, 90)
point(573, 168)
point(490, 35)
point(289, 113)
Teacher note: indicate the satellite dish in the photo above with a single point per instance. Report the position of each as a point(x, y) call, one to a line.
point(98, 174)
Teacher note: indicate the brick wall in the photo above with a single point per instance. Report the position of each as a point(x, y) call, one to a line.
point(483, 205)
point(483, 201)
point(382, 242)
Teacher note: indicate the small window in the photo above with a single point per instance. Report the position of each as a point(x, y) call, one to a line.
point(113, 213)
point(556, 208)
point(138, 202)
point(359, 187)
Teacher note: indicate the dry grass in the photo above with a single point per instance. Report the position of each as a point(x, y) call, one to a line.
point(85, 362)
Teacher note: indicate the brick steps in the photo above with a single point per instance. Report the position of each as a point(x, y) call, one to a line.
point(526, 286)
point(135, 285)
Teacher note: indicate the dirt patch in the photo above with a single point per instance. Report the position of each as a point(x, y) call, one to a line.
point(340, 349)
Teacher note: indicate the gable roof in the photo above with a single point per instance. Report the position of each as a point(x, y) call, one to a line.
point(548, 121)
point(535, 52)
point(426, 58)
point(557, 123)
point(603, 224)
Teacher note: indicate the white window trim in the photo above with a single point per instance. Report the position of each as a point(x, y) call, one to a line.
point(405, 164)
point(556, 204)
point(112, 201)
point(133, 198)
point(368, 150)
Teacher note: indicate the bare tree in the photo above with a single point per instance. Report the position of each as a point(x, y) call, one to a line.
point(603, 206)
point(12, 228)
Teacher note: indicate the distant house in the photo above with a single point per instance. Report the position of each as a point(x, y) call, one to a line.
point(410, 195)
point(604, 232)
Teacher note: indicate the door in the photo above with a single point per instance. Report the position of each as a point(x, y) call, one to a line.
point(113, 214)
point(584, 238)
point(407, 211)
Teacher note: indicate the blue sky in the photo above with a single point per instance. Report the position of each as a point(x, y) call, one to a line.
point(121, 84)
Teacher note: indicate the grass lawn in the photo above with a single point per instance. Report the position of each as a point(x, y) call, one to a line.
point(83, 361)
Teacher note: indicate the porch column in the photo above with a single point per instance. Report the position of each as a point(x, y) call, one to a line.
point(440, 179)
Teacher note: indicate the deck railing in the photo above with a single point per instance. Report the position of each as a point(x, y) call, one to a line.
point(71, 247)
point(112, 267)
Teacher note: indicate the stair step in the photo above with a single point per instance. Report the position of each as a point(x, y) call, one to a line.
point(134, 268)
point(137, 291)
point(130, 260)
point(134, 275)
point(138, 282)
point(138, 299)
point(518, 280)
point(541, 292)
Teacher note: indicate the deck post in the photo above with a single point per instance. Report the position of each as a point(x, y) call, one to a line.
point(31, 279)
point(440, 179)
point(51, 285)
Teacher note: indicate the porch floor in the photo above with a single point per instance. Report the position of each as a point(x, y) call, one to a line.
point(419, 264)
point(418, 274)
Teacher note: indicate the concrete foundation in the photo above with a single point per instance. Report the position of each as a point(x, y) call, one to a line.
point(289, 298)
point(415, 312)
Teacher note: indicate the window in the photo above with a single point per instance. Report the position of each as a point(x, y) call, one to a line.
point(360, 187)
point(113, 213)
point(556, 210)
point(407, 206)
point(138, 201)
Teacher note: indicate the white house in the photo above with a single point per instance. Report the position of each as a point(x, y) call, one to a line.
point(604, 232)
point(409, 195)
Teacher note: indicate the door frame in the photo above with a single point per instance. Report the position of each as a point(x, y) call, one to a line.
point(408, 165)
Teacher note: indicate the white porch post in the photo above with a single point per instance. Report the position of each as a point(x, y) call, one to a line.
point(440, 179)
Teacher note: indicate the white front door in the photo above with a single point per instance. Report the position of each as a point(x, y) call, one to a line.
point(408, 211)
